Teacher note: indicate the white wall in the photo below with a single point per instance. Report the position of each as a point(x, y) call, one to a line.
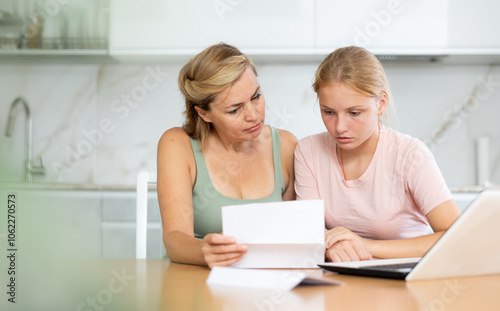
point(68, 101)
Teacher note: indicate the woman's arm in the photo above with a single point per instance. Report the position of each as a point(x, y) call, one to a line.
point(176, 174)
point(288, 142)
point(344, 245)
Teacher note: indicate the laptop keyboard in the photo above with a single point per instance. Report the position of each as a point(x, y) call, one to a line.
point(406, 265)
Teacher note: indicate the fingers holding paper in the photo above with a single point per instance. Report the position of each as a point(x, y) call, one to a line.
point(222, 250)
point(341, 244)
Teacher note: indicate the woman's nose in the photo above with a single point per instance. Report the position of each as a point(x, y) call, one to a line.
point(250, 112)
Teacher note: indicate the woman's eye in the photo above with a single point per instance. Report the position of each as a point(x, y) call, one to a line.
point(355, 113)
point(327, 112)
point(257, 96)
point(234, 111)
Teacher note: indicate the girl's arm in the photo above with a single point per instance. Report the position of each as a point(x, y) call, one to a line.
point(344, 245)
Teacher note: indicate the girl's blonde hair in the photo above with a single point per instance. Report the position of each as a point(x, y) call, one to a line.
point(206, 76)
point(358, 68)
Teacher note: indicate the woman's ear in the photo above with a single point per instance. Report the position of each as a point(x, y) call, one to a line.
point(203, 114)
point(382, 104)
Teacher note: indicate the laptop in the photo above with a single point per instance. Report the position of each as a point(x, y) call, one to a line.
point(471, 246)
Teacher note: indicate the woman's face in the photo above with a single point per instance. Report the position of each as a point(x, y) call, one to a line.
point(238, 113)
point(350, 117)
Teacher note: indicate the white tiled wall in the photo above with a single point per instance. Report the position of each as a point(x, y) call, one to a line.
point(100, 124)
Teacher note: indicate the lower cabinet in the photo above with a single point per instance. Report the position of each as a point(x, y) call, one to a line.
point(69, 223)
point(51, 223)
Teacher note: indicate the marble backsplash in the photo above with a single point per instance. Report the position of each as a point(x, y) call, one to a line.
point(100, 124)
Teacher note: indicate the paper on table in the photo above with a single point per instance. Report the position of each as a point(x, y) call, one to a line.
point(264, 279)
point(288, 234)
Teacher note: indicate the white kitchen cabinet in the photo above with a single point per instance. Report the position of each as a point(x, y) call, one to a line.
point(382, 24)
point(474, 24)
point(54, 223)
point(159, 27)
point(75, 223)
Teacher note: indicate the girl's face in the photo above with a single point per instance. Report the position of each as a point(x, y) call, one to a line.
point(238, 113)
point(350, 117)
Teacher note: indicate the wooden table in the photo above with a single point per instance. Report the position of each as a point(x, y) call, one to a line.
point(157, 284)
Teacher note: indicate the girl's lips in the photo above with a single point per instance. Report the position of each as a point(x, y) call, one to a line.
point(344, 139)
point(253, 128)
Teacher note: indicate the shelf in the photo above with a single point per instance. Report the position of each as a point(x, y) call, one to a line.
point(77, 56)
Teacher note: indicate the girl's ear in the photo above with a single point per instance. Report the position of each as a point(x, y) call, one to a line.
point(203, 114)
point(382, 104)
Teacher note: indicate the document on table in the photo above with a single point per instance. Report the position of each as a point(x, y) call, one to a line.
point(265, 279)
point(288, 234)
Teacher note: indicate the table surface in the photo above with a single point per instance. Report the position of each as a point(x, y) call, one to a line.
point(157, 284)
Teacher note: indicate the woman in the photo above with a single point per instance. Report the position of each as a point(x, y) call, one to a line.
point(223, 155)
point(382, 189)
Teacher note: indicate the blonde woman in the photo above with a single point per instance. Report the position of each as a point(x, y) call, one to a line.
point(224, 155)
point(382, 189)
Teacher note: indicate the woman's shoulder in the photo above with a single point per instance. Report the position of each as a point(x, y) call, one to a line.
point(174, 133)
point(287, 138)
point(174, 137)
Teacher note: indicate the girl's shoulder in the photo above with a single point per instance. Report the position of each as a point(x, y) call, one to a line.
point(315, 140)
point(404, 143)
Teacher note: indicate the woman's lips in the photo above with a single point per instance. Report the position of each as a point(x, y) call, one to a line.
point(253, 128)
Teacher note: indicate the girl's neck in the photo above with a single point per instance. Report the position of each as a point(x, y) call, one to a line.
point(354, 162)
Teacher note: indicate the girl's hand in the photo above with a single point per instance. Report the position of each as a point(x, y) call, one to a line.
point(342, 244)
point(221, 250)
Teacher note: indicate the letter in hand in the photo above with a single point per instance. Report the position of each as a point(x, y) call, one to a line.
point(222, 250)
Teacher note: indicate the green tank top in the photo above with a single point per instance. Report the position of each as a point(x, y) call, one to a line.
point(207, 201)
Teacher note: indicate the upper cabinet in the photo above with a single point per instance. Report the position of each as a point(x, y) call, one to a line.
point(157, 27)
point(382, 25)
point(458, 31)
point(473, 35)
point(474, 24)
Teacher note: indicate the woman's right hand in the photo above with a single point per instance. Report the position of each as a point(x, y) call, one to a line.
point(221, 250)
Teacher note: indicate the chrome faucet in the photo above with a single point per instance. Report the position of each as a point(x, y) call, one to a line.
point(29, 166)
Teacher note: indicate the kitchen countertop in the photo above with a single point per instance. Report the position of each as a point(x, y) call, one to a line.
point(69, 186)
point(66, 186)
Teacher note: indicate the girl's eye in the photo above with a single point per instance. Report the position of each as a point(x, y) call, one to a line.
point(327, 112)
point(257, 96)
point(234, 111)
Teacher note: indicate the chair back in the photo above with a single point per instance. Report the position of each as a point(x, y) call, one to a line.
point(143, 180)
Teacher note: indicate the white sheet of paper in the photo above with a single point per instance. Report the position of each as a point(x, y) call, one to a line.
point(264, 279)
point(288, 234)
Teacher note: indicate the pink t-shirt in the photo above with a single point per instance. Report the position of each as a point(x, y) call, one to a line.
point(389, 201)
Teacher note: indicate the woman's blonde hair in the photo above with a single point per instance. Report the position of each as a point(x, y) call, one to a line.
point(358, 68)
point(203, 78)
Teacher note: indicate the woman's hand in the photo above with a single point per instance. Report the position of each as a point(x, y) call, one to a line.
point(221, 250)
point(342, 244)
